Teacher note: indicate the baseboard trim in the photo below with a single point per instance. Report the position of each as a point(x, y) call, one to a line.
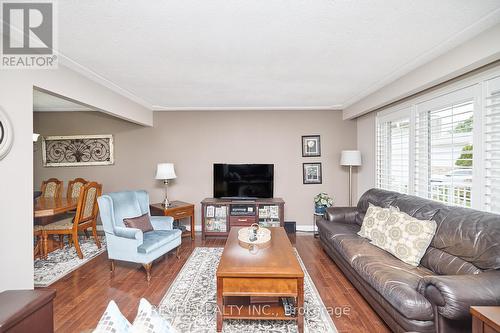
point(197, 228)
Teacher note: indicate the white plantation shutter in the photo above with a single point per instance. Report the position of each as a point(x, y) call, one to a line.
point(393, 151)
point(444, 144)
point(492, 146)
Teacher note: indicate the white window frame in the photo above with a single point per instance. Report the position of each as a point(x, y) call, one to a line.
point(475, 85)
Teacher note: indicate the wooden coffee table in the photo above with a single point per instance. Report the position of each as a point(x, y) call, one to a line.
point(270, 272)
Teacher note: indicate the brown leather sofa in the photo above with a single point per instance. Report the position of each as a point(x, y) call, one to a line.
point(461, 267)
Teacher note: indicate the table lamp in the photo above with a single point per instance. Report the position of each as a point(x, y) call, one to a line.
point(165, 172)
point(350, 158)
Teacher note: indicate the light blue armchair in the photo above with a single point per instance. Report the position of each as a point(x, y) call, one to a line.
point(130, 244)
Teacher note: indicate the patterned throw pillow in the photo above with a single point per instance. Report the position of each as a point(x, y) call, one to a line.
point(112, 321)
point(374, 221)
point(148, 320)
point(142, 222)
point(406, 237)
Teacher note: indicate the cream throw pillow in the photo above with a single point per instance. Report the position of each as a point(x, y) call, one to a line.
point(112, 321)
point(149, 320)
point(406, 237)
point(374, 221)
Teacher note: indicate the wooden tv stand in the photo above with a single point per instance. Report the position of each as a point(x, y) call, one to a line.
point(219, 215)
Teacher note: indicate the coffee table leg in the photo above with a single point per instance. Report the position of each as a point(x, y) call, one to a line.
point(300, 305)
point(220, 305)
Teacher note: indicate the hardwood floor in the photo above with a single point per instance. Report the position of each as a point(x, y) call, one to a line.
point(83, 295)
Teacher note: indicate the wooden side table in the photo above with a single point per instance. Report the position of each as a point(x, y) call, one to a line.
point(485, 319)
point(178, 210)
point(316, 216)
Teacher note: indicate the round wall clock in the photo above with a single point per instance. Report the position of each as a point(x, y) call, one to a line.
point(6, 134)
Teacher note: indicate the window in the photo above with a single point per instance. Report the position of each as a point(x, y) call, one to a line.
point(444, 148)
point(445, 145)
point(393, 152)
point(492, 146)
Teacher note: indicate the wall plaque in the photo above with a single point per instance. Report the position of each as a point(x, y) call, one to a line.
point(77, 150)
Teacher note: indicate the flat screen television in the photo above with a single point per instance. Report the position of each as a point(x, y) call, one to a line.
point(243, 181)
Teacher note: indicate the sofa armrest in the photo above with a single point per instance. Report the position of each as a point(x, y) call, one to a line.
point(162, 222)
point(453, 295)
point(341, 214)
point(130, 233)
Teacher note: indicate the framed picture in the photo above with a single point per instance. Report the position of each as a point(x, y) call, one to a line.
point(311, 173)
point(78, 150)
point(311, 146)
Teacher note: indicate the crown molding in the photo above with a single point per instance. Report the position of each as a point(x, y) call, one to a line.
point(157, 108)
point(62, 109)
point(90, 74)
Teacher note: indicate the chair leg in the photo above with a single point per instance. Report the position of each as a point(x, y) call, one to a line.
point(147, 267)
point(86, 232)
point(112, 265)
point(70, 240)
point(177, 252)
point(94, 233)
point(61, 241)
point(38, 247)
point(77, 246)
point(45, 244)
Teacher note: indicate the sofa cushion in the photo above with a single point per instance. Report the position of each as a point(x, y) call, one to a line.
point(377, 197)
point(396, 281)
point(157, 238)
point(470, 235)
point(443, 263)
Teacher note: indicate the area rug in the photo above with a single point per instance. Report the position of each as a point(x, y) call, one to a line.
point(190, 303)
point(61, 262)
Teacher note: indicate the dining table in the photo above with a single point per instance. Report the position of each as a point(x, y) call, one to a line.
point(46, 208)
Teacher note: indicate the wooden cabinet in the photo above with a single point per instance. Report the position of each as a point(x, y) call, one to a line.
point(219, 215)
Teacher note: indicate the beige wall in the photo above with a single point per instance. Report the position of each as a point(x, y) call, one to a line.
point(196, 140)
point(366, 144)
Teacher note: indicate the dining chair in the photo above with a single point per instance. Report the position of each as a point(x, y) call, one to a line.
point(73, 192)
point(52, 188)
point(37, 235)
point(74, 187)
point(85, 218)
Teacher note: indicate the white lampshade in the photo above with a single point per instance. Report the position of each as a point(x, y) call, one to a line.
point(35, 137)
point(350, 158)
point(165, 171)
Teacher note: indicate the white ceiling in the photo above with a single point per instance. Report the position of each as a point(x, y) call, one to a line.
point(199, 54)
point(43, 102)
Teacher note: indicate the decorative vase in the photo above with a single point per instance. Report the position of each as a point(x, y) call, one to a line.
point(320, 209)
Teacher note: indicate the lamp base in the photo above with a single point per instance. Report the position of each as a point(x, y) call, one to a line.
point(167, 203)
